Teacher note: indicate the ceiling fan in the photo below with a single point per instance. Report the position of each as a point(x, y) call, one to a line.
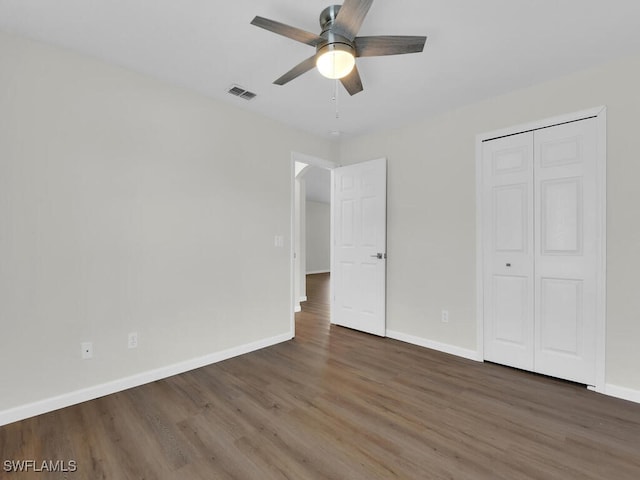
point(337, 45)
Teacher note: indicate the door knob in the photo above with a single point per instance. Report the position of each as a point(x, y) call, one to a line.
point(379, 256)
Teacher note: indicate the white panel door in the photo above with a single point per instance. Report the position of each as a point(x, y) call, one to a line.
point(358, 271)
point(566, 226)
point(508, 250)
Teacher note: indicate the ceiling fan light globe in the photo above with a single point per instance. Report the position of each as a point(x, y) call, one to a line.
point(335, 61)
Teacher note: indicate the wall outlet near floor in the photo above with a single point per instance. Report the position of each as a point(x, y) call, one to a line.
point(445, 316)
point(133, 340)
point(86, 349)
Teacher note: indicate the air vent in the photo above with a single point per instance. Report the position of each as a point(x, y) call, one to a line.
point(238, 91)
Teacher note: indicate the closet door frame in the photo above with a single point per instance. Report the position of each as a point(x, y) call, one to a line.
point(600, 114)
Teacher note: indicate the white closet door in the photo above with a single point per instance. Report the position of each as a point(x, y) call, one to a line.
point(508, 250)
point(566, 236)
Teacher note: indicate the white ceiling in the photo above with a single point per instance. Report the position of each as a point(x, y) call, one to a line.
point(475, 50)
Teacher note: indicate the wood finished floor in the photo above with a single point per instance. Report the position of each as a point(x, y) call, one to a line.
point(338, 404)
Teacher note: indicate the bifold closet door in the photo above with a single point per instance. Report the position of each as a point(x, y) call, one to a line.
point(540, 240)
point(508, 251)
point(566, 238)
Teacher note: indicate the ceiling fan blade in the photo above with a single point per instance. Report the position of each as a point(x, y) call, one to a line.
point(388, 45)
point(350, 17)
point(352, 82)
point(295, 72)
point(288, 31)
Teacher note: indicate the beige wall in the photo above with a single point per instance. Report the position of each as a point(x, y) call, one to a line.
point(127, 204)
point(318, 237)
point(431, 217)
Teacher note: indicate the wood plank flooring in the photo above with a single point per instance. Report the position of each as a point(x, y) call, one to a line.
point(339, 404)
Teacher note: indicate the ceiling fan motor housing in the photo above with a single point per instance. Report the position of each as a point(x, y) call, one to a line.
point(332, 40)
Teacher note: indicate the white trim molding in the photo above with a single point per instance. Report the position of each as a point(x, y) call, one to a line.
point(432, 345)
point(623, 393)
point(90, 393)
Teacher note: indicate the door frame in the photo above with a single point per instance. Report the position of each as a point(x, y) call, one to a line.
point(600, 114)
point(314, 162)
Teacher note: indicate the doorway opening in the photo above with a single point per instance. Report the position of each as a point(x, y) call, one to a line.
point(310, 226)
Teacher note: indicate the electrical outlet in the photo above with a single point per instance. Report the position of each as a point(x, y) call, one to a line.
point(133, 340)
point(445, 316)
point(87, 350)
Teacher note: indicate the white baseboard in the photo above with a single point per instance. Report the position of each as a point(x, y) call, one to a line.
point(303, 299)
point(315, 272)
point(441, 347)
point(90, 393)
point(65, 400)
point(297, 308)
point(622, 392)
point(610, 390)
